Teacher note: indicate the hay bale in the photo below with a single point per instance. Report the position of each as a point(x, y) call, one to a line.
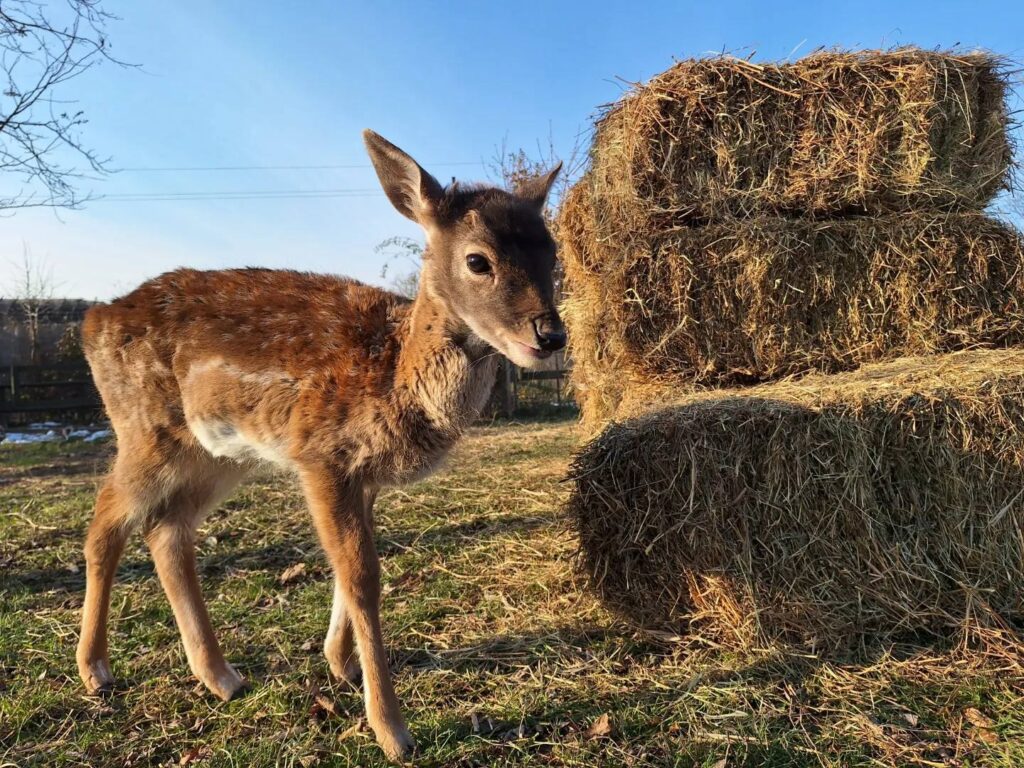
point(832, 134)
point(766, 298)
point(593, 377)
point(821, 511)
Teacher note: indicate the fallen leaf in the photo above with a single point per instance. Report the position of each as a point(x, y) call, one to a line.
point(977, 718)
point(600, 728)
point(723, 763)
point(323, 706)
point(292, 573)
point(194, 755)
point(985, 735)
point(360, 725)
point(401, 580)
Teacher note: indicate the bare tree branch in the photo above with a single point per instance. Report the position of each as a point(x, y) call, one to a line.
point(42, 47)
point(405, 249)
point(513, 167)
point(32, 288)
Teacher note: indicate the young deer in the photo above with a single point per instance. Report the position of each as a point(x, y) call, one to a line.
point(205, 374)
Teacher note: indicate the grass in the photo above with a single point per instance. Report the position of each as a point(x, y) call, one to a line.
point(500, 657)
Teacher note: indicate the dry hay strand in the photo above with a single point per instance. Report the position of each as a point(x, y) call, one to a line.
point(762, 299)
point(593, 377)
point(820, 511)
point(835, 133)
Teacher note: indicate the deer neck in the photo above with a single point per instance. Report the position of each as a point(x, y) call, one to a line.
point(446, 369)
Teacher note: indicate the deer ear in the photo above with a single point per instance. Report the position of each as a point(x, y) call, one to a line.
point(537, 189)
point(413, 191)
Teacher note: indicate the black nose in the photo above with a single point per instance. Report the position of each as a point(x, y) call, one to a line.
point(550, 335)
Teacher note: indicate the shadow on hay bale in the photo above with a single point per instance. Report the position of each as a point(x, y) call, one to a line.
point(824, 512)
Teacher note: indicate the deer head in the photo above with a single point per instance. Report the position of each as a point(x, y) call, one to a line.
point(489, 255)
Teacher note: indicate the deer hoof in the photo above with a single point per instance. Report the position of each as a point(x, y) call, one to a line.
point(398, 744)
point(226, 684)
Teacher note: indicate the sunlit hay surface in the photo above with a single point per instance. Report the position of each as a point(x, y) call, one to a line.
point(768, 298)
point(823, 511)
point(594, 377)
point(760, 299)
point(834, 133)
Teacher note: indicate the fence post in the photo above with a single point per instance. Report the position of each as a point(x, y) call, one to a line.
point(503, 401)
point(512, 388)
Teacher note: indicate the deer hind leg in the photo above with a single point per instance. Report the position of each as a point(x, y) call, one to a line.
point(340, 515)
point(171, 540)
point(339, 644)
point(104, 545)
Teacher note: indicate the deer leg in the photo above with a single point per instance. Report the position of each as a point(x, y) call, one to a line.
point(339, 645)
point(104, 545)
point(172, 543)
point(339, 513)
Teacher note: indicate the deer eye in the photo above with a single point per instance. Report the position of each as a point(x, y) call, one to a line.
point(478, 264)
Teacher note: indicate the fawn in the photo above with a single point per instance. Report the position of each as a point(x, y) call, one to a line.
point(351, 388)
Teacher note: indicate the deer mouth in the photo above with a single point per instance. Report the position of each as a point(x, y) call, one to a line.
point(530, 351)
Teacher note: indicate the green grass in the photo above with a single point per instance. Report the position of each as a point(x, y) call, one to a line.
point(500, 656)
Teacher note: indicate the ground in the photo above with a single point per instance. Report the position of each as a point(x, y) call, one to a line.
point(500, 655)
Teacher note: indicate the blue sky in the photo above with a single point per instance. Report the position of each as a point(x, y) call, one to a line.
point(234, 83)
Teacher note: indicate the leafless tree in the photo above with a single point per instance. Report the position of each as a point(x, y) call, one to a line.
point(42, 47)
point(405, 250)
point(512, 167)
point(32, 288)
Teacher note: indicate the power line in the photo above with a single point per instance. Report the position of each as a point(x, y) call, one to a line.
point(241, 196)
point(183, 168)
point(247, 192)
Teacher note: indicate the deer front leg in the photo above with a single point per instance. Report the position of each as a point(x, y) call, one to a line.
point(339, 645)
point(338, 506)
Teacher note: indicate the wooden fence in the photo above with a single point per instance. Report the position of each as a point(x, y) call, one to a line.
point(522, 392)
point(53, 391)
point(66, 391)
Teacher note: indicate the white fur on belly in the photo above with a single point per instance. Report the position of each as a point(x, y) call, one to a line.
point(223, 439)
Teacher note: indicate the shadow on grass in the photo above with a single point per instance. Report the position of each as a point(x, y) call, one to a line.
point(215, 567)
point(635, 710)
point(647, 720)
point(443, 536)
point(71, 467)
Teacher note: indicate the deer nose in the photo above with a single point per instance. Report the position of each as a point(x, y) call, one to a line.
point(550, 333)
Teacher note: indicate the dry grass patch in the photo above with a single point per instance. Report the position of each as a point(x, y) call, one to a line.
point(500, 656)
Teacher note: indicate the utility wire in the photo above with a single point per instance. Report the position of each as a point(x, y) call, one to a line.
point(242, 194)
point(228, 197)
point(158, 169)
point(249, 192)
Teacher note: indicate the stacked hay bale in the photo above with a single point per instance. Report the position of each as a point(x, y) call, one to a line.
point(744, 224)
